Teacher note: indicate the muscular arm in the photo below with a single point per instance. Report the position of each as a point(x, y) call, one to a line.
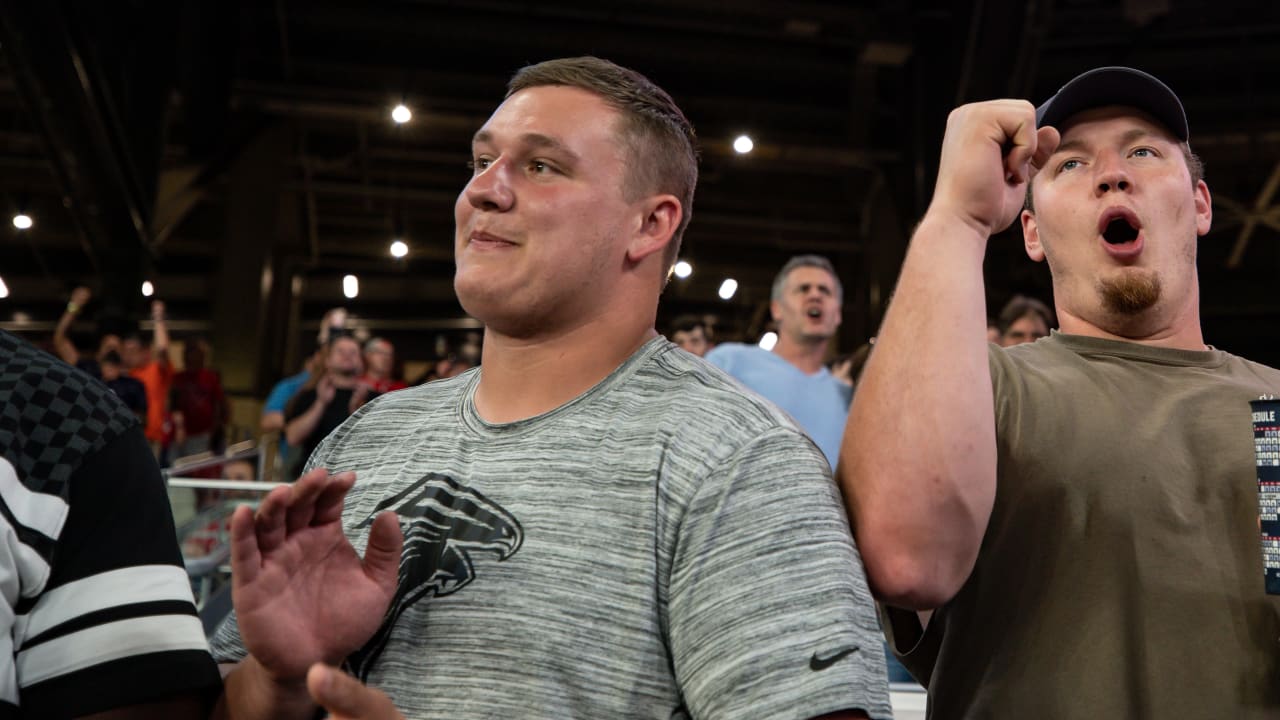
point(920, 445)
point(919, 452)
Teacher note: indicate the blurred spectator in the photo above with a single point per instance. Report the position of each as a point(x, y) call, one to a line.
point(326, 400)
point(993, 331)
point(240, 470)
point(272, 419)
point(379, 363)
point(130, 390)
point(151, 366)
point(1024, 320)
point(199, 405)
point(690, 333)
point(67, 350)
point(452, 359)
point(806, 298)
point(277, 401)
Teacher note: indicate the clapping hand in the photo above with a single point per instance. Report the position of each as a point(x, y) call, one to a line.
point(347, 698)
point(302, 595)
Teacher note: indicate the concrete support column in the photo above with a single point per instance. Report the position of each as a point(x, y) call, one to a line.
point(252, 290)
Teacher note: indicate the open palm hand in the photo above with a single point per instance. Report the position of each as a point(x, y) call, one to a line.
point(302, 595)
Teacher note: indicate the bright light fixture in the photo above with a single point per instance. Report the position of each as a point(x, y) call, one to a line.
point(768, 340)
point(401, 114)
point(683, 269)
point(148, 289)
point(399, 249)
point(4, 289)
point(728, 288)
point(743, 144)
point(350, 286)
point(22, 221)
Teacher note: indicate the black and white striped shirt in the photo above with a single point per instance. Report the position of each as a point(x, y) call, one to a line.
point(95, 606)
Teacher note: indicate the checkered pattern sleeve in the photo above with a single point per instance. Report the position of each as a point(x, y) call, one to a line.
point(96, 610)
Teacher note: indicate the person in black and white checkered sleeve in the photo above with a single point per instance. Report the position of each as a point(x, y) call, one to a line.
point(96, 612)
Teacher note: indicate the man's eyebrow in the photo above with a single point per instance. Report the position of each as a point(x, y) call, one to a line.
point(1135, 134)
point(537, 141)
point(1070, 146)
point(1129, 136)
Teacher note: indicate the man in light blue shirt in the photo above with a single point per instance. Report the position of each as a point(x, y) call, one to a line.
point(805, 304)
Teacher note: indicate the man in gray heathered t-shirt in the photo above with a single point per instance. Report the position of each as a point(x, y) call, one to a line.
point(595, 524)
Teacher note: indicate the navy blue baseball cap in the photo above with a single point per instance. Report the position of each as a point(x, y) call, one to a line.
point(1115, 86)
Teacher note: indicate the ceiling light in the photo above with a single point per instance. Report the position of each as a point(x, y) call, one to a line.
point(683, 269)
point(743, 144)
point(401, 114)
point(4, 289)
point(728, 288)
point(148, 289)
point(350, 286)
point(399, 249)
point(768, 340)
point(22, 221)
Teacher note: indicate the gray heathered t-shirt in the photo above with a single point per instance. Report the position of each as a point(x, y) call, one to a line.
point(662, 546)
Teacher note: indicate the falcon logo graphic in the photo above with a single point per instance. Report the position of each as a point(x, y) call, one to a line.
point(443, 522)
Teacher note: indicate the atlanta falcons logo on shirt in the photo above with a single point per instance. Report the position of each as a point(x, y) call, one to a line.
point(443, 521)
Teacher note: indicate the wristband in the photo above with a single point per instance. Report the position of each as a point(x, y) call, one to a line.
point(73, 308)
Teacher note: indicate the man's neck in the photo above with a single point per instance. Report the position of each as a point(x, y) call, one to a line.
point(522, 378)
point(806, 356)
point(1183, 333)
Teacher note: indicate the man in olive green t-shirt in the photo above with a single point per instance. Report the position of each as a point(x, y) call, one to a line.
point(1079, 513)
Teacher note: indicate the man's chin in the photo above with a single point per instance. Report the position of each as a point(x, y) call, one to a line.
point(811, 338)
point(1130, 292)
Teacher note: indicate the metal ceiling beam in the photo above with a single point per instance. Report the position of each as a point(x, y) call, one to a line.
point(100, 118)
point(1263, 212)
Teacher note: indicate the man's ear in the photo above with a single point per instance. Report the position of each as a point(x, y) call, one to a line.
point(1031, 236)
point(659, 217)
point(1204, 209)
point(775, 310)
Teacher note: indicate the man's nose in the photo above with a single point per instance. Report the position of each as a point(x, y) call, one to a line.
point(1112, 174)
point(490, 189)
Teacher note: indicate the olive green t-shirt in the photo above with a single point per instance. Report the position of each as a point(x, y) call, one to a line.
point(1121, 572)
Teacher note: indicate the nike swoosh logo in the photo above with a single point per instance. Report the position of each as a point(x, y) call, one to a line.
point(818, 664)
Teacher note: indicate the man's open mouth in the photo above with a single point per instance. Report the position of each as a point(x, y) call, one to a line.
point(1119, 232)
point(1119, 226)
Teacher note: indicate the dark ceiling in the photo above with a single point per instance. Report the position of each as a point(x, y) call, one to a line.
point(242, 156)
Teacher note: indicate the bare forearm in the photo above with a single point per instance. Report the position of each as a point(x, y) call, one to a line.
point(271, 422)
point(919, 449)
point(297, 429)
point(66, 349)
point(160, 341)
point(249, 693)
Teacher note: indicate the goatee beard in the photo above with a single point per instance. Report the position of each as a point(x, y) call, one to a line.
point(1131, 293)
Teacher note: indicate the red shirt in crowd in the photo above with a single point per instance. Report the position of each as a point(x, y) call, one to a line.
point(383, 385)
point(197, 394)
